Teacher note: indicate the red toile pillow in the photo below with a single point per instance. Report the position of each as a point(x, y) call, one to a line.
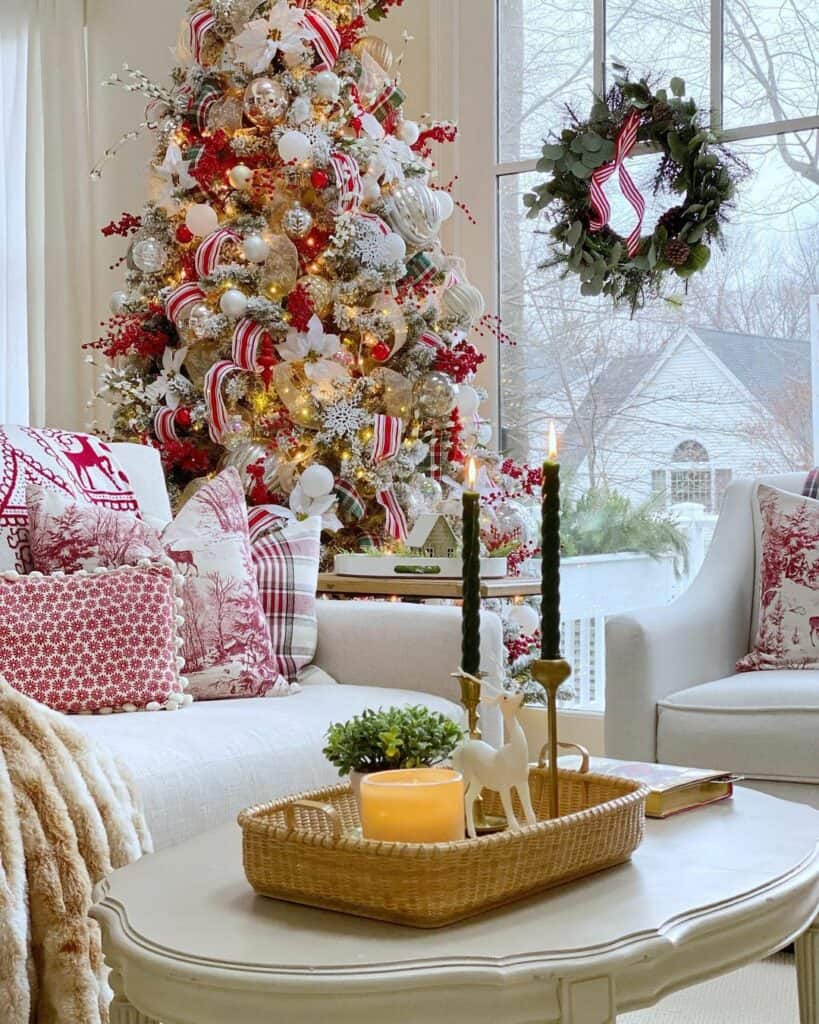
point(788, 573)
point(101, 641)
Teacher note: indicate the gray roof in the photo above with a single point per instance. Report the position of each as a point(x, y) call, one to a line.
point(763, 365)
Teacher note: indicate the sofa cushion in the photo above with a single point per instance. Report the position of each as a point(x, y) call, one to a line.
point(198, 769)
point(761, 724)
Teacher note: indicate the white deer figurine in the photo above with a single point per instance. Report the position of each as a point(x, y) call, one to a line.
point(500, 769)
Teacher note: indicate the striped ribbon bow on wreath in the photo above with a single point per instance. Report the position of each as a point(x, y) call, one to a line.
point(694, 166)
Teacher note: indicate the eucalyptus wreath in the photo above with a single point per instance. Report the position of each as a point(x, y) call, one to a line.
point(694, 165)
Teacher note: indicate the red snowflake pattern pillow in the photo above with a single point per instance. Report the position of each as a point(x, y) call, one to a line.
point(101, 641)
point(66, 535)
point(788, 632)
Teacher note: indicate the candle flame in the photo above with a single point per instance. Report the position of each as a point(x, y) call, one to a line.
point(471, 473)
point(552, 442)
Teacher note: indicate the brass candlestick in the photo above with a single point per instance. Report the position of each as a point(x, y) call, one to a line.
point(551, 675)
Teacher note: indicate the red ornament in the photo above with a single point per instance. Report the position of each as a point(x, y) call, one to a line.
point(381, 351)
point(184, 234)
point(319, 178)
point(266, 359)
point(182, 418)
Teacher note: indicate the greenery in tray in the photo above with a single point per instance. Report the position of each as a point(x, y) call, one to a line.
point(393, 738)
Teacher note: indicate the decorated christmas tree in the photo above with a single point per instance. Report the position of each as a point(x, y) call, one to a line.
point(287, 306)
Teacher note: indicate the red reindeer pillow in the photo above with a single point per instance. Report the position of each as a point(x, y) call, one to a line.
point(76, 466)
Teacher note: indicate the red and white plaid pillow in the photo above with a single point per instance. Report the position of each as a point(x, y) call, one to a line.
point(287, 567)
point(100, 641)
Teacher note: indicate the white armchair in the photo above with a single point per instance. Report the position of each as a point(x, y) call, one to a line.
point(672, 694)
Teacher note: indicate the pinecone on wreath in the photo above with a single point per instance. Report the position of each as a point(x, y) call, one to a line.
point(676, 252)
point(672, 220)
point(661, 112)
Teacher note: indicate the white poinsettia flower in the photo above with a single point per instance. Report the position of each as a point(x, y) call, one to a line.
point(282, 31)
point(173, 171)
point(312, 344)
point(324, 507)
point(395, 156)
point(170, 385)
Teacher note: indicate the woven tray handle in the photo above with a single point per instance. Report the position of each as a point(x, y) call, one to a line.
point(327, 810)
point(584, 756)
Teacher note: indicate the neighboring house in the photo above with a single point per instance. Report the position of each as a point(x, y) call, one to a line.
point(679, 424)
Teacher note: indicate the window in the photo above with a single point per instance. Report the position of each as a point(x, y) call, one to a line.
point(665, 408)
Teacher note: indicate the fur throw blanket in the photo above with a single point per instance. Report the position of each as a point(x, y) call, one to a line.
point(68, 816)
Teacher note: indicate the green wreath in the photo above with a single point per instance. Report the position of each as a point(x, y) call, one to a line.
point(694, 165)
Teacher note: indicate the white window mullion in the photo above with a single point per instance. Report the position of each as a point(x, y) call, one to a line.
point(717, 59)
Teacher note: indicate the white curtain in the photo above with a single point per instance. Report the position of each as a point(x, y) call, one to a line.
point(46, 293)
point(14, 375)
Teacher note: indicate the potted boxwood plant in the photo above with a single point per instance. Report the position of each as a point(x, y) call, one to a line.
point(376, 741)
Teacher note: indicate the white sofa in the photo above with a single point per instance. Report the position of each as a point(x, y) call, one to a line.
point(198, 767)
point(672, 694)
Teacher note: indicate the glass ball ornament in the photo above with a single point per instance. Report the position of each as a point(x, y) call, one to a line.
point(409, 132)
point(511, 519)
point(468, 401)
point(484, 434)
point(317, 481)
point(327, 85)
point(149, 255)
point(297, 221)
point(413, 211)
point(463, 302)
point(319, 179)
point(255, 248)
point(233, 303)
point(198, 319)
point(184, 235)
point(431, 491)
point(435, 395)
point(240, 176)
point(446, 204)
point(237, 431)
point(226, 115)
point(265, 102)
point(201, 219)
point(394, 247)
point(281, 268)
point(117, 302)
point(319, 291)
point(294, 147)
point(241, 456)
point(525, 617)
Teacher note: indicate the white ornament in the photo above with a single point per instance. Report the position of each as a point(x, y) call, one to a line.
point(327, 85)
point(240, 176)
point(233, 303)
point(117, 302)
point(525, 616)
point(148, 255)
point(317, 481)
point(503, 769)
point(370, 189)
point(446, 204)
point(294, 147)
point(394, 247)
point(300, 109)
point(408, 131)
point(484, 434)
point(201, 219)
point(468, 401)
point(255, 249)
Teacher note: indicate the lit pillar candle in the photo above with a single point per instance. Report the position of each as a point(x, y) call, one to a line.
point(550, 554)
point(413, 805)
point(471, 570)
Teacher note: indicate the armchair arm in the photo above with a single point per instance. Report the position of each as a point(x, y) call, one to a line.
point(401, 646)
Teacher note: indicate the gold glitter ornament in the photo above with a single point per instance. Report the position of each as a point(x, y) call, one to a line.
point(319, 291)
point(280, 270)
point(376, 48)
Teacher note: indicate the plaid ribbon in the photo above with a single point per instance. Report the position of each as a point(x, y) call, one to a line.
point(210, 250)
point(215, 402)
point(263, 518)
point(367, 542)
point(180, 299)
point(390, 99)
point(811, 486)
point(421, 268)
point(165, 425)
point(208, 95)
point(350, 503)
point(395, 521)
point(388, 431)
point(348, 180)
point(198, 27)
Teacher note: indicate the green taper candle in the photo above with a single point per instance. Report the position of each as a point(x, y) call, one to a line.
point(550, 554)
point(471, 571)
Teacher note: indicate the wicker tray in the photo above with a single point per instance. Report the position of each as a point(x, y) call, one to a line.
point(304, 850)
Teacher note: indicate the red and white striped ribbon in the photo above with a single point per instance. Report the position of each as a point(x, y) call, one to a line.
point(432, 340)
point(325, 38)
point(210, 250)
point(217, 411)
point(198, 27)
point(387, 433)
point(263, 518)
point(247, 337)
point(372, 218)
point(165, 425)
point(180, 299)
point(348, 180)
point(396, 522)
point(601, 210)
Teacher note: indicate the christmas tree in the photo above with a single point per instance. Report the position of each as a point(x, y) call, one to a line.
point(288, 308)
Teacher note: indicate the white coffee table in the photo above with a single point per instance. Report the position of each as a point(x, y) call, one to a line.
point(190, 943)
